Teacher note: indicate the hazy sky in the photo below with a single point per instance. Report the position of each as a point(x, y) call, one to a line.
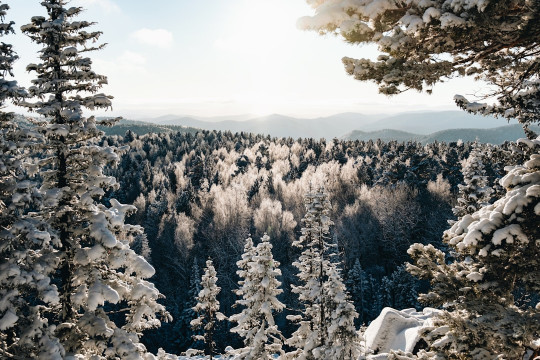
point(224, 57)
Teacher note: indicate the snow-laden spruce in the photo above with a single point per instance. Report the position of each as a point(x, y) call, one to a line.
point(342, 339)
point(27, 244)
point(360, 284)
point(475, 191)
point(207, 309)
point(425, 42)
point(95, 266)
point(259, 290)
point(183, 323)
point(326, 323)
point(486, 291)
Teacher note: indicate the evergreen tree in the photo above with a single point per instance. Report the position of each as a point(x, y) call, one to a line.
point(95, 265)
point(244, 291)
point(404, 289)
point(358, 288)
point(342, 340)
point(498, 256)
point(260, 289)
point(318, 275)
point(208, 309)
point(475, 191)
point(142, 247)
point(185, 334)
point(308, 339)
point(244, 266)
point(27, 244)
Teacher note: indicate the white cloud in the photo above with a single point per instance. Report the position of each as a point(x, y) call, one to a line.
point(156, 37)
point(108, 6)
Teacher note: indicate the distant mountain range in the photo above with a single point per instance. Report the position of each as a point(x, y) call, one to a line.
point(446, 126)
point(494, 136)
point(421, 126)
point(338, 125)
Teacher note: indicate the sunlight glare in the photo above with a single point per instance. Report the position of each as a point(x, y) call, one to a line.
point(258, 38)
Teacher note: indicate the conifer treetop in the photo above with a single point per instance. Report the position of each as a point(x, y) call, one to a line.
point(64, 73)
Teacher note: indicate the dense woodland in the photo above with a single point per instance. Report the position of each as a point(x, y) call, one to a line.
point(201, 195)
point(314, 233)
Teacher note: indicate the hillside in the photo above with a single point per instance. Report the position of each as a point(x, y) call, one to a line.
point(338, 125)
point(492, 136)
point(143, 128)
point(384, 135)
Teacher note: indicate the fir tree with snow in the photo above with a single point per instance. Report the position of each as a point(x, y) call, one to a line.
point(475, 191)
point(357, 284)
point(183, 327)
point(498, 256)
point(316, 335)
point(403, 289)
point(342, 339)
point(207, 309)
point(308, 339)
point(259, 289)
point(95, 266)
point(244, 291)
point(244, 265)
point(27, 244)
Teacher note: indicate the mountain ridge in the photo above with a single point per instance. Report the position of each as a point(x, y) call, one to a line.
point(496, 135)
point(338, 125)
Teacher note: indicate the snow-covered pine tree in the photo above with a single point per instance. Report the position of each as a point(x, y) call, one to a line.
point(311, 339)
point(96, 266)
point(208, 309)
point(243, 292)
point(27, 254)
point(342, 340)
point(499, 254)
point(425, 42)
point(244, 266)
point(183, 327)
point(475, 191)
point(259, 289)
point(308, 339)
point(404, 289)
point(358, 288)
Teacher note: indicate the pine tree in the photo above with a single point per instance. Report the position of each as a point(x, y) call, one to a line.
point(259, 290)
point(308, 339)
point(342, 340)
point(95, 265)
point(186, 336)
point(244, 291)
point(27, 254)
point(425, 42)
point(475, 191)
point(317, 277)
point(358, 288)
point(208, 309)
point(404, 288)
point(244, 265)
point(498, 255)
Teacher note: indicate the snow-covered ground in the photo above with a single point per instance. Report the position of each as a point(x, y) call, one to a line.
point(396, 330)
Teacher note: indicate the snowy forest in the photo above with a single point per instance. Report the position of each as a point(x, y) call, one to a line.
point(242, 246)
